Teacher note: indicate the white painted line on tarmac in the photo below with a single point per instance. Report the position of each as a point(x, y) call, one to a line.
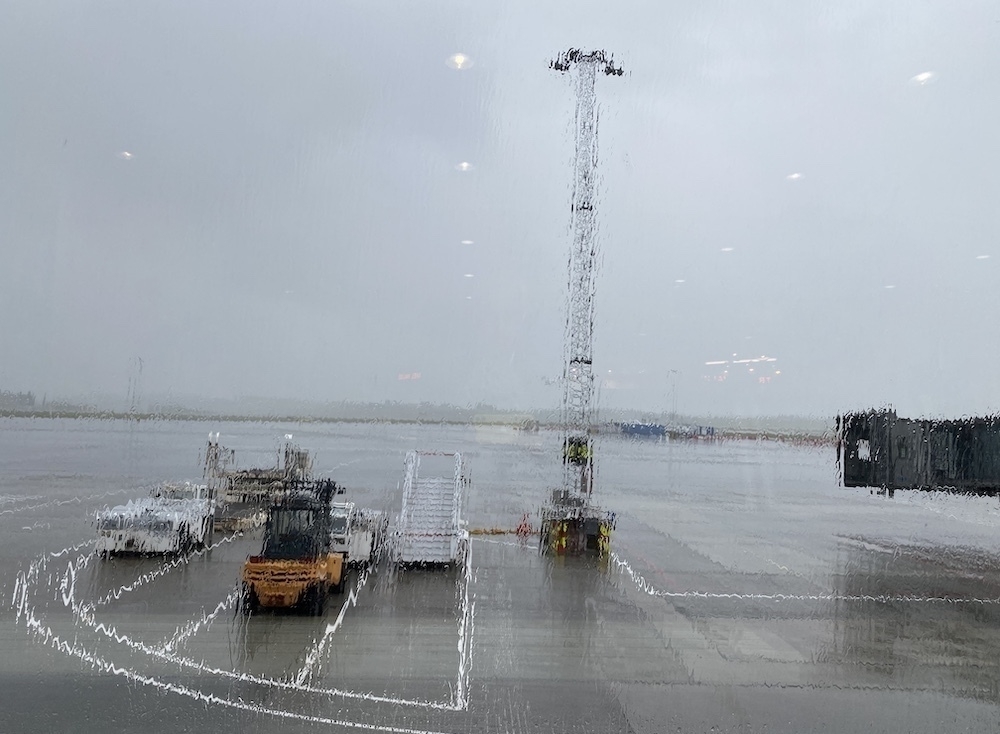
point(9, 499)
point(647, 588)
point(164, 568)
point(84, 615)
point(317, 651)
point(508, 543)
point(70, 501)
point(31, 580)
point(194, 626)
point(465, 631)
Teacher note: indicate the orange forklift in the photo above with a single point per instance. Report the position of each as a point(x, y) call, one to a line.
point(296, 567)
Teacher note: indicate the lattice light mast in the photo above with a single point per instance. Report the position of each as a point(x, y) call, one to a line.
point(588, 527)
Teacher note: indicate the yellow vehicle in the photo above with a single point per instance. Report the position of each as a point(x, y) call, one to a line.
point(296, 566)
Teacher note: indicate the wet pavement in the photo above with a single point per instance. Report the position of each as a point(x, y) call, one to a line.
point(746, 592)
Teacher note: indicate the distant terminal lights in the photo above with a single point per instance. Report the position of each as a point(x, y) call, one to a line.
point(761, 370)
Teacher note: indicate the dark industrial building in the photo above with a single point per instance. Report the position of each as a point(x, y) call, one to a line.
point(876, 448)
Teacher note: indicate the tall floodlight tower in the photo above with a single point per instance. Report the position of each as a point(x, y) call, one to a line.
point(571, 523)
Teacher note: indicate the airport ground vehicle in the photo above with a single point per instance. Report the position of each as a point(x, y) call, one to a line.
point(357, 532)
point(431, 530)
point(243, 495)
point(175, 518)
point(297, 566)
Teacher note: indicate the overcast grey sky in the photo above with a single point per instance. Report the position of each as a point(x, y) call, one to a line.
point(261, 198)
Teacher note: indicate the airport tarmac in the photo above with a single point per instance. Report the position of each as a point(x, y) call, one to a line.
point(746, 592)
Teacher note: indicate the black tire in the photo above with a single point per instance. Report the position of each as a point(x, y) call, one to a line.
point(206, 539)
point(338, 588)
point(314, 600)
point(249, 602)
point(321, 593)
point(307, 602)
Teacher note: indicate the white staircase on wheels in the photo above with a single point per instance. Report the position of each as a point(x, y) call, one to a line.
point(430, 523)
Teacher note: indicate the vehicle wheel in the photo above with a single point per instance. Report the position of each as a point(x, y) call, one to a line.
point(249, 602)
point(307, 603)
point(206, 537)
point(314, 600)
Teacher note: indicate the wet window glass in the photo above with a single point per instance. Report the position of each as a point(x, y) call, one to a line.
point(338, 524)
point(291, 522)
point(647, 345)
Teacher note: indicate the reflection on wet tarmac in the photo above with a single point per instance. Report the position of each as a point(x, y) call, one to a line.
point(746, 591)
point(948, 646)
